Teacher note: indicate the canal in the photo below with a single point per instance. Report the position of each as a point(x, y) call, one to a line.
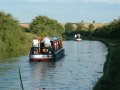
point(80, 69)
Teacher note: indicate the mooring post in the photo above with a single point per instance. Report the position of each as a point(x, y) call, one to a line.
point(20, 78)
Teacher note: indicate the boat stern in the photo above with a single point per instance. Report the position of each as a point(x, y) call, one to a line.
point(40, 58)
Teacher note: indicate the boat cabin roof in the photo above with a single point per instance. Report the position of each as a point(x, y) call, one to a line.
point(55, 38)
point(51, 39)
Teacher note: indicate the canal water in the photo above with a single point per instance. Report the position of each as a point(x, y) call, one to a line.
point(80, 69)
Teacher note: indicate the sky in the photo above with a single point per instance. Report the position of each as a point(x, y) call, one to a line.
point(102, 11)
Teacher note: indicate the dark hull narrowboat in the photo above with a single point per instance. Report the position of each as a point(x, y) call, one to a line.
point(47, 54)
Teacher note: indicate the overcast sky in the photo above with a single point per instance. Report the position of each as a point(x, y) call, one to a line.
point(63, 10)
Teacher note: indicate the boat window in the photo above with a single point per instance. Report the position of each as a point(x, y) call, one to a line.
point(45, 50)
point(34, 50)
point(52, 45)
point(42, 44)
point(55, 44)
point(61, 45)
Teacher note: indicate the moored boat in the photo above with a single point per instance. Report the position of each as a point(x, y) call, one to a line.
point(47, 54)
point(77, 37)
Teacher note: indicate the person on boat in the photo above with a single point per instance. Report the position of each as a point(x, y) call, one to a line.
point(78, 36)
point(46, 41)
point(35, 44)
point(75, 35)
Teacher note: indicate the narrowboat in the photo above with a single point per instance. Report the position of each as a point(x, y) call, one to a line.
point(47, 54)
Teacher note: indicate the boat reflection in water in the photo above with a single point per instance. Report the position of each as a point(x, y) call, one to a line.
point(43, 75)
point(42, 53)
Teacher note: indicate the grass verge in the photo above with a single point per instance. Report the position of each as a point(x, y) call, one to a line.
point(22, 49)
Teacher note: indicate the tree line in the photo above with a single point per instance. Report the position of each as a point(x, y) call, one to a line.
point(70, 30)
point(42, 25)
point(14, 38)
point(110, 30)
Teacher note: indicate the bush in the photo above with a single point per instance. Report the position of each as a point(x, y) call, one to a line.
point(12, 38)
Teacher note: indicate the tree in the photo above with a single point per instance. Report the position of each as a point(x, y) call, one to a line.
point(42, 25)
point(9, 30)
point(93, 21)
point(80, 26)
point(11, 35)
point(111, 30)
point(69, 28)
point(114, 28)
point(91, 29)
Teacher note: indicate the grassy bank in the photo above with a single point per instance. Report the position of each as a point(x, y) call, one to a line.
point(111, 76)
point(13, 39)
point(22, 49)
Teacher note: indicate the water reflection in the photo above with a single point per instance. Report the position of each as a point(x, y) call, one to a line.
point(78, 70)
point(44, 74)
point(40, 71)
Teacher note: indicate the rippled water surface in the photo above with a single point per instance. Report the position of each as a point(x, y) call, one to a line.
point(78, 70)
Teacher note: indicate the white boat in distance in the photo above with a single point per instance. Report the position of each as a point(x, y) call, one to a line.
point(77, 37)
